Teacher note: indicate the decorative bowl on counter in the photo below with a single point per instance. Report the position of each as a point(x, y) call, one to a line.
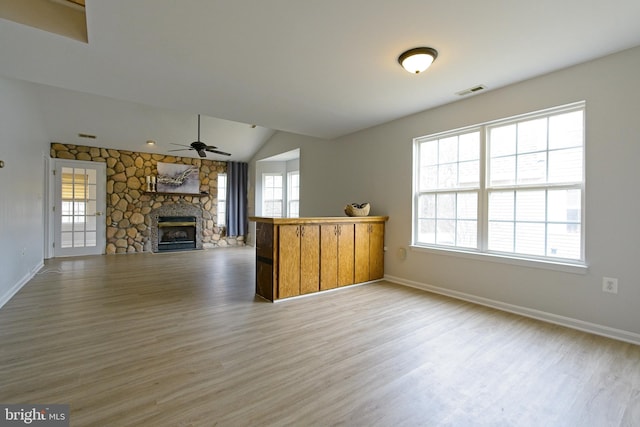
point(357, 209)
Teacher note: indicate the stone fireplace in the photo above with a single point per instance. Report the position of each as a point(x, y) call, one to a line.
point(176, 227)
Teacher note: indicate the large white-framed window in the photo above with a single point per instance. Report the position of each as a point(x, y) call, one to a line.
point(222, 199)
point(512, 187)
point(293, 194)
point(272, 195)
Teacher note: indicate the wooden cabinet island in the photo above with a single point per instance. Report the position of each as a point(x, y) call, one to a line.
point(298, 256)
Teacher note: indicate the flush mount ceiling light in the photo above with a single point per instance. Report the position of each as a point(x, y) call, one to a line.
point(418, 59)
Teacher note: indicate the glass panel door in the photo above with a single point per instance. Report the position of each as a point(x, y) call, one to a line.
point(80, 204)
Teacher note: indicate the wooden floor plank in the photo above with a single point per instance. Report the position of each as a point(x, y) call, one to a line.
point(180, 339)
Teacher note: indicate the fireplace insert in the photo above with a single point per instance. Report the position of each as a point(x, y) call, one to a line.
point(176, 233)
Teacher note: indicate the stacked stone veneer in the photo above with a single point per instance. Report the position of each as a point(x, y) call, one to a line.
point(130, 210)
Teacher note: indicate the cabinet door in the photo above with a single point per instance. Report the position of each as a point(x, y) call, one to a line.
point(328, 256)
point(309, 259)
point(362, 253)
point(346, 241)
point(289, 261)
point(376, 251)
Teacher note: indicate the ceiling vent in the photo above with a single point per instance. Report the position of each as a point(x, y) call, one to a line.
point(471, 90)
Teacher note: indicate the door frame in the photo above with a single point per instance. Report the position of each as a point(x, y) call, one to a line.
point(54, 202)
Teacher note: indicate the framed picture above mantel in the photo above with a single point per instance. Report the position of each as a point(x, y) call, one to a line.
point(178, 179)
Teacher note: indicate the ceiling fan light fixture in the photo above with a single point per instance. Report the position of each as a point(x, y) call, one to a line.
point(418, 59)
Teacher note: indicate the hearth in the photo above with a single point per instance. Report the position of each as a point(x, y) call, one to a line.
point(176, 233)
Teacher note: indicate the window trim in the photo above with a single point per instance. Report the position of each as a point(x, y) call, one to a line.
point(482, 252)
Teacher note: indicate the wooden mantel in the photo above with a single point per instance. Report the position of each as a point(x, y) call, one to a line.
point(298, 256)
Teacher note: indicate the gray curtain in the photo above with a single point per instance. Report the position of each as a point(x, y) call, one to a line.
point(237, 219)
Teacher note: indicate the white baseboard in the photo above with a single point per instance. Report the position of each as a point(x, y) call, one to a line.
point(569, 322)
point(15, 288)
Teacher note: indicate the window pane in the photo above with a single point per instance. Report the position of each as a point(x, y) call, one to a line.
point(564, 206)
point(294, 209)
point(272, 195)
point(427, 206)
point(429, 153)
point(91, 192)
point(91, 176)
point(469, 174)
point(446, 232)
point(530, 206)
point(501, 205)
point(428, 178)
point(566, 130)
point(503, 171)
point(467, 234)
point(446, 206)
point(501, 236)
point(503, 141)
point(78, 240)
point(565, 165)
point(530, 238)
point(564, 241)
point(222, 199)
point(91, 223)
point(467, 206)
point(448, 176)
point(448, 150)
point(469, 146)
point(91, 207)
point(90, 239)
point(532, 168)
point(532, 136)
point(66, 240)
point(427, 231)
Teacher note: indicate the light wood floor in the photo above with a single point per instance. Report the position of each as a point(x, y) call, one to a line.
point(179, 339)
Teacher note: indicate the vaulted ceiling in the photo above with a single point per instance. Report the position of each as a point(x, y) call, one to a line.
point(320, 68)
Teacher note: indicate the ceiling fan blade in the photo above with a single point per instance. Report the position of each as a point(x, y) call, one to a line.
point(218, 152)
point(182, 149)
point(201, 153)
point(181, 145)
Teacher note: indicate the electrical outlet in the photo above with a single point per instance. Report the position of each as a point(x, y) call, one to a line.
point(610, 285)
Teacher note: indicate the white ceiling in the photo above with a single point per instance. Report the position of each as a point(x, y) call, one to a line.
point(321, 68)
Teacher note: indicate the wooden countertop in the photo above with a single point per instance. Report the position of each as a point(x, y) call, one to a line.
point(319, 219)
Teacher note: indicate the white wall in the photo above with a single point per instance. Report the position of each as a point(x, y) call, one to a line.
point(23, 148)
point(375, 165)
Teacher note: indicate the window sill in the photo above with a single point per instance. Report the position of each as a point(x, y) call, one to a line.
point(503, 259)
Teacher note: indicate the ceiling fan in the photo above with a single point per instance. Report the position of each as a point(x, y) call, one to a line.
point(200, 146)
